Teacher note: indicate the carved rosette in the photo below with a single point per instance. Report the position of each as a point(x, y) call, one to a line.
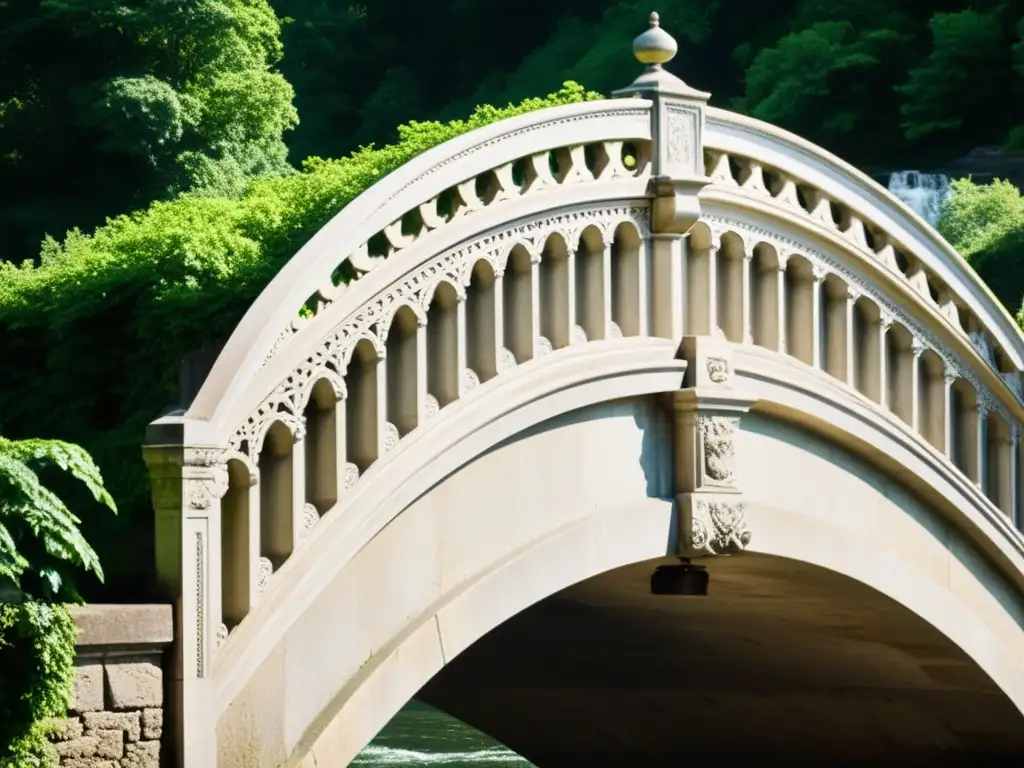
point(310, 518)
point(718, 448)
point(351, 475)
point(470, 380)
point(718, 370)
point(506, 360)
point(430, 407)
point(264, 571)
point(391, 438)
point(719, 527)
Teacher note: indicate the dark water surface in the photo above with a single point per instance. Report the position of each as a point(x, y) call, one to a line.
point(421, 735)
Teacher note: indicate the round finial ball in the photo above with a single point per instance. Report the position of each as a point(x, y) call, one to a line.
point(655, 46)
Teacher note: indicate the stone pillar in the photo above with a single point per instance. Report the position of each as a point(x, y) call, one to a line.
point(707, 412)
point(117, 708)
point(677, 159)
point(188, 479)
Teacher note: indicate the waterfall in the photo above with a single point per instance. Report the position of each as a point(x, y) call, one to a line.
point(924, 192)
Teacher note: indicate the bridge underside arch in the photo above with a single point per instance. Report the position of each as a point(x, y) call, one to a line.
point(783, 660)
point(867, 581)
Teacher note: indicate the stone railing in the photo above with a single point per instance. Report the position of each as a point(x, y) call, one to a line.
point(116, 716)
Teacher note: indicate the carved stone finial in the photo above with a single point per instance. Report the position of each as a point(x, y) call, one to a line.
point(655, 46)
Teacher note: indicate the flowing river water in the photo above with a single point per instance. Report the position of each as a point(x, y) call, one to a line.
point(421, 735)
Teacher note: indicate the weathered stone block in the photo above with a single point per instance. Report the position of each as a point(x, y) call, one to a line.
point(84, 746)
point(127, 722)
point(135, 685)
point(111, 743)
point(152, 723)
point(65, 728)
point(88, 693)
point(144, 754)
point(88, 762)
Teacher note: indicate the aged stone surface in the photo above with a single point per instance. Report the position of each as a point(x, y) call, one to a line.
point(117, 714)
point(88, 694)
point(128, 722)
point(135, 685)
point(152, 723)
point(84, 746)
point(145, 754)
point(66, 728)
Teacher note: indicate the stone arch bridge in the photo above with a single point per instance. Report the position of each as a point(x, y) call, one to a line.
point(445, 449)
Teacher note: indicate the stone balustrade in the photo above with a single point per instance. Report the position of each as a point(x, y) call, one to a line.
point(117, 712)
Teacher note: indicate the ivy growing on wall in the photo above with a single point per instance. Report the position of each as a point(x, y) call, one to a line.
point(99, 328)
point(37, 654)
point(40, 548)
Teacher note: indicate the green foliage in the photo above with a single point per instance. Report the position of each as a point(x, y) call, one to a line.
point(106, 104)
point(985, 223)
point(37, 654)
point(100, 326)
point(39, 536)
point(968, 68)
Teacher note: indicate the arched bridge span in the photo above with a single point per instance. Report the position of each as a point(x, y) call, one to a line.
point(568, 342)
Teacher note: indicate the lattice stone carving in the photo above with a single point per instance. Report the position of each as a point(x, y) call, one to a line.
point(263, 573)
point(718, 439)
point(719, 527)
point(333, 352)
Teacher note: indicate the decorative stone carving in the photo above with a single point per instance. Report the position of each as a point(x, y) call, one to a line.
point(506, 360)
point(718, 369)
point(614, 331)
point(391, 438)
point(264, 571)
point(222, 635)
point(719, 527)
point(351, 475)
point(579, 336)
point(470, 380)
point(310, 518)
point(680, 138)
point(430, 407)
point(717, 435)
point(544, 346)
point(889, 312)
point(200, 554)
point(331, 356)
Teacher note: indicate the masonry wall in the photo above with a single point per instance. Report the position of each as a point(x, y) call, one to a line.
point(116, 717)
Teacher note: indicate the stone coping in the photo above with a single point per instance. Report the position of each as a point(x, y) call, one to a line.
point(123, 625)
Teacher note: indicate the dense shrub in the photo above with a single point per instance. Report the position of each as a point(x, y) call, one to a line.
point(92, 337)
point(985, 223)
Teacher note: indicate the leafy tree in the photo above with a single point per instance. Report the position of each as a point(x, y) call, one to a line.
point(967, 72)
point(39, 536)
point(40, 546)
point(100, 326)
point(106, 104)
point(985, 223)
